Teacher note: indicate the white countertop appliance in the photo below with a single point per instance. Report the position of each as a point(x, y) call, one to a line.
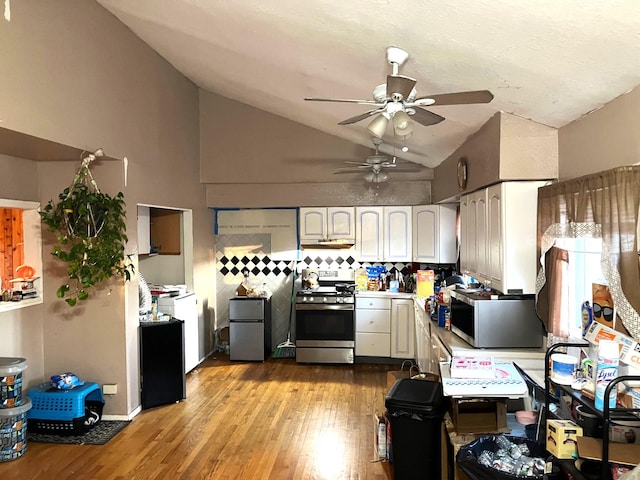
point(508, 321)
point(325, 325)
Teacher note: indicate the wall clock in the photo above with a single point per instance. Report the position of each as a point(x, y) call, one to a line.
point(462, 173)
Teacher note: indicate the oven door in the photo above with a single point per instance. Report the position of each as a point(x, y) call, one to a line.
point(325, 325)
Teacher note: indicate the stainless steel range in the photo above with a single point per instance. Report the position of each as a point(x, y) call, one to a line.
point(325, 307)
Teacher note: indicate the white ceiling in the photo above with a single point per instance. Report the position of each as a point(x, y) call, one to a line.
point(550, 61)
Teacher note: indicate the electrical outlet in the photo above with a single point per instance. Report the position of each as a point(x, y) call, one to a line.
point(110, 388)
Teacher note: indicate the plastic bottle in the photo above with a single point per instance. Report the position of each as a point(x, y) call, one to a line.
point(606, 371)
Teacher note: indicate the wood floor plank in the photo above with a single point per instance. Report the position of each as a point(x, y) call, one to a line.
point(277, 420)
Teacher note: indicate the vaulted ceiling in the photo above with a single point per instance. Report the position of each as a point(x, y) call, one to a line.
point(551, 61)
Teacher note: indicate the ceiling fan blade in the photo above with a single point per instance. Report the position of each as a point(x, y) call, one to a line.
point(406, 170)
point(357, 164)
point(350, 170)
point(400, 84)
point(425, 117)
point(357, 118)
point(342, 100)
point(460, 98)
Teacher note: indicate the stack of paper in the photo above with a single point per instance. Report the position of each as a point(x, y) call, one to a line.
point(472, 367)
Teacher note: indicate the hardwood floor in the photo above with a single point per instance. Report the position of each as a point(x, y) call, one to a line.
point(272, 420)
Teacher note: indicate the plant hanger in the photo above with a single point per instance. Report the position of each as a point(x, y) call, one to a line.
point(91, 233)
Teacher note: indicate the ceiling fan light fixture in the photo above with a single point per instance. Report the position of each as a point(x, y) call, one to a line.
point(401, 123)
point(376, 177)
point(378, 125)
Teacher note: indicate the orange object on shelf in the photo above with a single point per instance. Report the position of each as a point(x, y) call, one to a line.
point(25, 272)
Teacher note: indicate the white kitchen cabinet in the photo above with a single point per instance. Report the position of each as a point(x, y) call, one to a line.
point(369, 233)
point(319, 224)
point(498, 236)
point(373, 327)
point(144, 230)
point(402, 328)
point(439, 353)
point(434, 234)
point(481, 238)
point(467, 230)
point(422, 336)
point(397, 234)
point(383, 234)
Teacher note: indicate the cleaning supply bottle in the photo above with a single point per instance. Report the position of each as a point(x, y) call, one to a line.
point(606, 371)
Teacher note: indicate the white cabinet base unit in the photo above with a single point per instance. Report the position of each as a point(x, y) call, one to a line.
point(373, 327)
point(384, 326)
point(402, 328)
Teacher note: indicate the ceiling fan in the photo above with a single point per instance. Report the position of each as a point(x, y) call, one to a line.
point(376, 165)
point(398, 101)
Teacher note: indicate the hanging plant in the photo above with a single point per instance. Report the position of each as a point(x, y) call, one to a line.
point(91, 234)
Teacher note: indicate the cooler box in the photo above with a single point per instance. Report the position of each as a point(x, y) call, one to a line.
point(65, 412)
point(415, 410)
point(11, 381)
point(13, 431)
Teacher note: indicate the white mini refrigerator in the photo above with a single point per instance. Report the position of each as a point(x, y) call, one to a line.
point(185, 307)
point(249, 329)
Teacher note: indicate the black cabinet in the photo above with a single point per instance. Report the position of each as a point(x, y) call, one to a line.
point(607, 415)
point(162, 378)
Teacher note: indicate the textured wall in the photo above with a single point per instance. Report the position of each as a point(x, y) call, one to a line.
point(604, 139)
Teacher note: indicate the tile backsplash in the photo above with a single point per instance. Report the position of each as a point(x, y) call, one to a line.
point(237, 252)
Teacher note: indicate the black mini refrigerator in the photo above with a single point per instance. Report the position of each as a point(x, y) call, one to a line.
point(162, 378)
point(415, 410)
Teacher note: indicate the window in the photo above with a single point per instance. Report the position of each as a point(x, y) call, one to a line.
point(581, 272)
point(20, 245)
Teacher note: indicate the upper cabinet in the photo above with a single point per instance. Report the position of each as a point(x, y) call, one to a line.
point(397, 234)
point(144, 230)
point(320, 224)
point(159, 231)
point(369, 233)
point(403, 234)
point(498, 236)
point(434, 234)
point(383, 234)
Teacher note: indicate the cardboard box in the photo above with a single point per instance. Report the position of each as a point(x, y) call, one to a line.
point(625, 454)
point(480, 415)
point(598, 331)
point(562, 438)
point(629, 397)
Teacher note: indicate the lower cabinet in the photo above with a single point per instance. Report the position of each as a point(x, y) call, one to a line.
point(373, 327)
point(385, 327)
point(423, 337)
point(402, 328)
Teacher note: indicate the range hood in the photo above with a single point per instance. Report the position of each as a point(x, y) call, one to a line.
point(328, 244)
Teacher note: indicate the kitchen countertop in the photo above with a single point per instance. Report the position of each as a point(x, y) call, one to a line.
point(531, 360)
point(384, 294)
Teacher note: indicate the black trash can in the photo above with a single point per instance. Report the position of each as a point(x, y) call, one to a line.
point(415, 410)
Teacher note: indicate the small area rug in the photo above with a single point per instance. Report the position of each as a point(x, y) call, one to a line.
point(98, 435)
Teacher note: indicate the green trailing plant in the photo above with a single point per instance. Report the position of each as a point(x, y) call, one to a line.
point(91, 234)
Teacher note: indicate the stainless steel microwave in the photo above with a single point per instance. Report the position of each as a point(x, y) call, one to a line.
point(507, 322)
